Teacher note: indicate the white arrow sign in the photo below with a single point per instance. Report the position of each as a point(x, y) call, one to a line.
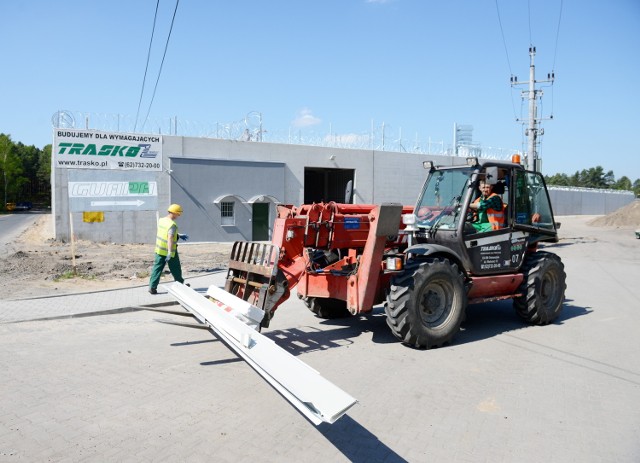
point(137, 203)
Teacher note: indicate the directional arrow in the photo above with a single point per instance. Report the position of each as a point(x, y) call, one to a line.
point(137, 203)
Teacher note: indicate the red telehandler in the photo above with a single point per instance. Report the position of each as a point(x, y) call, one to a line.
point(425, 262)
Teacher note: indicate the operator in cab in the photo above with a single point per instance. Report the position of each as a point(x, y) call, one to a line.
point(488, 210)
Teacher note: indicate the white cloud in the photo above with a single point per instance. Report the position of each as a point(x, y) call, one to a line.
point(305, 118)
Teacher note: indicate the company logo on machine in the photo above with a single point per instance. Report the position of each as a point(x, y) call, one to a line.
point(351, 223)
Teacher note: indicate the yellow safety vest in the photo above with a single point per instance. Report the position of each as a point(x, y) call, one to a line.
point(162, 237)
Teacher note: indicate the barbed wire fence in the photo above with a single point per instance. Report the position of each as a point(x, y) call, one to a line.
point(381, 137)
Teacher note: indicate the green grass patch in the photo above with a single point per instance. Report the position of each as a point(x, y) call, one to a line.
point(71, 274)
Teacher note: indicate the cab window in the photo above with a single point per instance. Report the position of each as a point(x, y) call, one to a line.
point(532, 205)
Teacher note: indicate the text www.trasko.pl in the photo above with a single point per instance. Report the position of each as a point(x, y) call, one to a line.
point(104, 164)
point(81, 163)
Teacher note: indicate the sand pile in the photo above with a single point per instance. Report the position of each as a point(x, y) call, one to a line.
point(627, 216)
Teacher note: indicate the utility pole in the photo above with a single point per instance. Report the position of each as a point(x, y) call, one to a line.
point(532, 162)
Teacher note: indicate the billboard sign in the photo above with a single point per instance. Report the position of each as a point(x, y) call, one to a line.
point(91, 149)
point(113, 196)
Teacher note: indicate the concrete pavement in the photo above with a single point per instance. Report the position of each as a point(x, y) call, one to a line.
point(91, 377)
point(94, 302)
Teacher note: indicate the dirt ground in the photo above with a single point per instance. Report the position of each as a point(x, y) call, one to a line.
point(38, 265)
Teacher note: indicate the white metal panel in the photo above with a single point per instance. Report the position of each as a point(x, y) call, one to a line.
point(247, 313)
point(316, 397)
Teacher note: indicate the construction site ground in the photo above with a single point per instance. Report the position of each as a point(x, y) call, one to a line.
point(94, 368)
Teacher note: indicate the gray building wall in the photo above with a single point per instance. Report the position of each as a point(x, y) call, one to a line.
point(200, 186)
point(584, 201)
point(200, 173)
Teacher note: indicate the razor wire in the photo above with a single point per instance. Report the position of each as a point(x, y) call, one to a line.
point(382, 137)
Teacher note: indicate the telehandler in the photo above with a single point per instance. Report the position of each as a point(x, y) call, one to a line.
point(426, 262)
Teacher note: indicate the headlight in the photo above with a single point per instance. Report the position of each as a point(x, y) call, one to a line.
point(394, 263)
point(409, 219)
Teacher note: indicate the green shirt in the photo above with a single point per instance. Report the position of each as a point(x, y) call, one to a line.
point(492, 202)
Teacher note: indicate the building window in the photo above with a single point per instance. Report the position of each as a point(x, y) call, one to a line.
point(226, 213)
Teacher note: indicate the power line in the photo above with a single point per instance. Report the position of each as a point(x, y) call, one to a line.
point(504, 42)
point(555, 51)
point(506, 52)
point(162, 63)
point(529, 11)
point(534, 130)
point(155, 16)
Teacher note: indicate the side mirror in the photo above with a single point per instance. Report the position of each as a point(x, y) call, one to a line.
point(348, 192)
point(491, 175)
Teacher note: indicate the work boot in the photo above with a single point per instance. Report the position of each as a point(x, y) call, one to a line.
point(153, 291)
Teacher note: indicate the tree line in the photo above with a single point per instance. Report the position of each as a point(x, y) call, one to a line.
point(26, 175)
point(595, 177)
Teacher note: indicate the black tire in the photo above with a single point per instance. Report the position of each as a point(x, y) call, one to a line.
point(542, 288)
point(305, 300)
point(327, 308)
point(426, 303)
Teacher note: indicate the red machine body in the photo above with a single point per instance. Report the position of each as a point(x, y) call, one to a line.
point(330, 251)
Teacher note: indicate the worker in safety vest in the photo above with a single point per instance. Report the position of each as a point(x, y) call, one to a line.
point(167, 248)
point(488, 209)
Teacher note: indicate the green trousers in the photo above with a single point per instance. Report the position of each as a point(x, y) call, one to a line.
point(158, 267)
point(482, 227)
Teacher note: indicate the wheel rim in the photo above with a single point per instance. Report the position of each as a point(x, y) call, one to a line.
point(548, 289)
point(435, 303)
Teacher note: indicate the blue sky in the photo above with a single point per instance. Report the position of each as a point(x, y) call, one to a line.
point(338, 66)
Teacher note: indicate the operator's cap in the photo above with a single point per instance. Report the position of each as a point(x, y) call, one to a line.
point(175, 209)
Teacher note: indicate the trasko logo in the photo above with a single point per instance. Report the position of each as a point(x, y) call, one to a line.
point(93, 149)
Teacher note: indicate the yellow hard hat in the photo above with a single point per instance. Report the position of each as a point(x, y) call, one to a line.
point(175, 209)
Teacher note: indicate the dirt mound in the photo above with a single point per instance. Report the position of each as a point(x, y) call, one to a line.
point(627, 216)
point(37, 264)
